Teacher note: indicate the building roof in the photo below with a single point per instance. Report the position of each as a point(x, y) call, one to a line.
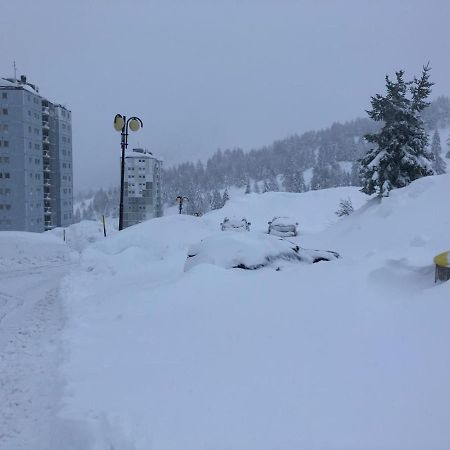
point(140, 153)
point(18, 84)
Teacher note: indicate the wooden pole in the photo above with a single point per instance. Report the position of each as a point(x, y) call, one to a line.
point(104, 226)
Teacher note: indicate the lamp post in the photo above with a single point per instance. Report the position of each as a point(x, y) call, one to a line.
point(121, 123)
point(180, 200)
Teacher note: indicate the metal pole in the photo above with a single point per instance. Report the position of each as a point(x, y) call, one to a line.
point(181, 205)
point(122, 172)
point(104, 226)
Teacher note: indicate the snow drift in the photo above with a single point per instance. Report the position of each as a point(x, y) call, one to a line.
point(350, 354)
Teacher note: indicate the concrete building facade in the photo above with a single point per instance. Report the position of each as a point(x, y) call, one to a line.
point(36, 174)
point(142, 188)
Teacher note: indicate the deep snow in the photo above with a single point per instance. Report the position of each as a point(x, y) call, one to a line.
point(118, 348)
point(350, 354)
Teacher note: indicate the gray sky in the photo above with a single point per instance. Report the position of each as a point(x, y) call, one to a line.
point(208, 74)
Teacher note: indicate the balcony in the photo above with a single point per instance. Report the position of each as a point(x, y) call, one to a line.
point(47, 197)
point(46, 169)
point(45, 110)
point(46, 140)
point(47, 183)
point(45, 125)
point(46, 154)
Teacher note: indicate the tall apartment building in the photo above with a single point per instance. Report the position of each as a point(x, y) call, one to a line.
point(142, 188)
point(36, 174)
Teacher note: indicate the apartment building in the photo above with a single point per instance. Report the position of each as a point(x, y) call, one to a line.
point(142, 188)
point(36, 173)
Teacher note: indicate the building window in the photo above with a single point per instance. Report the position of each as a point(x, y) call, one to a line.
point(5, 111)
point(5, 143)
point(4, 95)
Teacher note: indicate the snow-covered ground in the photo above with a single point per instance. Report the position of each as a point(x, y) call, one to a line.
point(346, 354)
point(31, 321)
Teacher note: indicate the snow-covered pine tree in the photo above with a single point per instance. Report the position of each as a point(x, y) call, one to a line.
point(77, 216)
point(439, 164)
point(225, 197)
point(400, 155)
point(266, 187)
point(345, 207)
point(256, 189)
point(248, 188)
point(216, 201)
point(447, 155)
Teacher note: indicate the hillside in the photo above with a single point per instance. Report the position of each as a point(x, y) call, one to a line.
point(312, 161)
point(345, 354)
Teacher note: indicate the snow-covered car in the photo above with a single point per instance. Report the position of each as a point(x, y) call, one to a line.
point(251, 251)
point(283, 227)
point(235, 224)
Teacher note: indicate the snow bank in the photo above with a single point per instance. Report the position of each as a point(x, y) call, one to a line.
point(82, 234)
point(259, 209)
point(22, 250)
point(350, 354)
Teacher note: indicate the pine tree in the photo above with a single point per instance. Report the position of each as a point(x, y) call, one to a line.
point(225, 197)
point(216, 201)
point(248, 188)
point(256, 188)
point(345, 207)
point(266, 187)
point(77, 216)
point(447, 155)
point(439, 164)
point(400, 155)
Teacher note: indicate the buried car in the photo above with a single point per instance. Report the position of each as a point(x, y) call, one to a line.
point(250, 251)
point(283, 227)
point(235, 224)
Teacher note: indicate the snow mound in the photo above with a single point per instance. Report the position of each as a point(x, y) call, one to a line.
point(250, 251)
point(241, 250)
point(314, 356)
point(259, 209)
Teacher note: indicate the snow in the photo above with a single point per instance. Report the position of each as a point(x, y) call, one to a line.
point(349, 354)
point(251, 250)
point(31, 319)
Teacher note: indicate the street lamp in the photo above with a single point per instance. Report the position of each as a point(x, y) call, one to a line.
point(121, 123)
point(180, 200)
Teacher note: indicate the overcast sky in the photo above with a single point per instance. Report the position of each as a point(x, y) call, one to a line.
point(209, 74)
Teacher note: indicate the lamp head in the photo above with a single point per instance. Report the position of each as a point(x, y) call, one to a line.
point(134, 124)
point(119, 122)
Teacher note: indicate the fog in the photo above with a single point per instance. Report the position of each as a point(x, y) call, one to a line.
point(211, 74)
